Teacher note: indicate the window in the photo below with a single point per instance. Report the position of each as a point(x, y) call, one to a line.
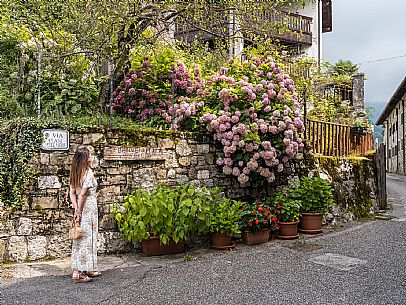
point(402, 118)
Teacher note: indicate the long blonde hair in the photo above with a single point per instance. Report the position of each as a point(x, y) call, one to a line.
point(80, 164)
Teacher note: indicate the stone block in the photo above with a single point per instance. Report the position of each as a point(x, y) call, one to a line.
point(171, 174)
point(76, 137)
point(203, 149)
point(92, 138)
point(208, 183)
point(118, 170)
point(107, 222)
point(182, 179)
point(24, 226)
point(3, 248)
point(109, 192)
point(112, 242)
point(58, 158)
point(192, 173)
point(37, 247)
point(44, 202)
point(49, 169)
point(59, 246)
point(209, 158)
point(171, 161)
point(161, 174)
point(17, 249)
point(7, 227)
point(49, 182)
point(114, 180)
point(184, 161)
point(183, 149)
point(194, 160)
point(201, 160)
point(166, 143)
point(44, 158)
point(203, 174)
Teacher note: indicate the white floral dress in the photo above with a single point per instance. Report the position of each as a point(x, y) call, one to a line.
point(84, 250)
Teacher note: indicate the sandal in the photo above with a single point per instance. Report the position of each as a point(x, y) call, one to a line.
point(93, 273)
point(80, 278)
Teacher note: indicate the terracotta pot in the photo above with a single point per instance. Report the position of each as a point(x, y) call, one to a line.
point(288, 230)
point(251, 238)
point(311, 223)
point(220, 240)
point(152, 246)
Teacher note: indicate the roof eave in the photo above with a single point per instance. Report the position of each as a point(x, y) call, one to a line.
point(396, 97)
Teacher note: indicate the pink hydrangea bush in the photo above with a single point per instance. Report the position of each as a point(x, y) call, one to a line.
point(257, 118)
point(145, 94)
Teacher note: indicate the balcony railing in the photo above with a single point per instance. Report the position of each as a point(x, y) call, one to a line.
point(294, 28)
point(287, 27)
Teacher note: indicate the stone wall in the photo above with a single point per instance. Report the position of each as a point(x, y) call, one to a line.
point(40, 229)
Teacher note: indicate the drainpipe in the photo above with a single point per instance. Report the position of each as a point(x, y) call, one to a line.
point(387, 144)
point(397, 141)
point(403, 139)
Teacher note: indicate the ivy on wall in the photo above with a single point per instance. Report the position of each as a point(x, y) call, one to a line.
point(20, 139)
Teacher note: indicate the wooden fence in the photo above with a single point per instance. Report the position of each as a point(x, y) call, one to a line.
point(331, 139)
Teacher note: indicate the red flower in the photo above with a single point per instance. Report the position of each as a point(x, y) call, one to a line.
point(277, 227)
point(260, 209)
point(250, 224)
point(256, 221)
point(253, 212)
point(274, 219)
point(268, 212)
point(278, 206)
point(256, 202)
point(243, 208)
point(269, 217)
point(265, 221)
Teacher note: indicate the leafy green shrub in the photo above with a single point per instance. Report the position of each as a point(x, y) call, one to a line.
point(224, 214)
point(316, 195)
point(165, 212)
point(286, 205)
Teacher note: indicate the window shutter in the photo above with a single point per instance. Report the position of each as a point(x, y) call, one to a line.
point(327, 13)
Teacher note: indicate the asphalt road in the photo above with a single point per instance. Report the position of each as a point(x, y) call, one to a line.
point(362, 264)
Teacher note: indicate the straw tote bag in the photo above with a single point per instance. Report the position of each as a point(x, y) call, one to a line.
point(75, 232)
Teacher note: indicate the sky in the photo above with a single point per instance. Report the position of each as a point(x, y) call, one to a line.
point(368, 30)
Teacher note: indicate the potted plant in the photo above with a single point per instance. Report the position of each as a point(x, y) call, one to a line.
point(256, 221)
point(287, 207)
point(359, 127)
point(224, 215)
point(161, 219)
point(317, 198)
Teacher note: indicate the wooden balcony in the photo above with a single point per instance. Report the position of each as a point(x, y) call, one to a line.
point(288, 28)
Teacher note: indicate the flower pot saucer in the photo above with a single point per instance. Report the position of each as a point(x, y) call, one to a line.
point(310, 231)
point(229, 247)
point(288, 237)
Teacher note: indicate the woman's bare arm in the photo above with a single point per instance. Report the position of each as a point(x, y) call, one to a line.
point(72, 195)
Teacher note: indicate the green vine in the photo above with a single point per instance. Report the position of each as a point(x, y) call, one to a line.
point(20, 140)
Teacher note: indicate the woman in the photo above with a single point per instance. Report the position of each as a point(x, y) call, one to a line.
point(83, 197)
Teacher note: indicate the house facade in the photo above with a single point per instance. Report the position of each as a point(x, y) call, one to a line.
point(394, 130)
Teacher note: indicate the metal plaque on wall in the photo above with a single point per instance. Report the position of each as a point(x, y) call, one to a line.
point(55, 139)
